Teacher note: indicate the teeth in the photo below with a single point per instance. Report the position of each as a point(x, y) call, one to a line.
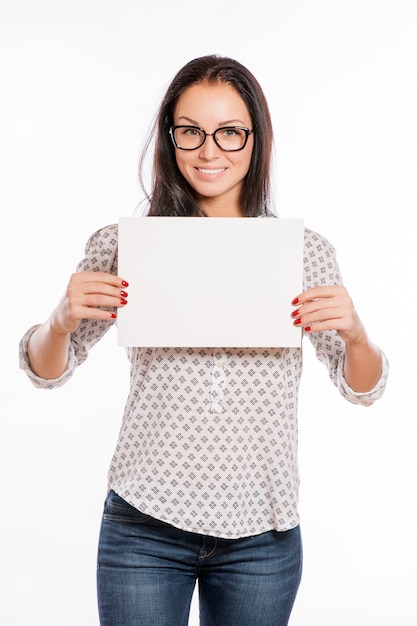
point(200, 169)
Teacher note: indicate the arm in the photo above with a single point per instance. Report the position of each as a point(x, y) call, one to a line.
point(363, 364)
point(331, 308)
point(48, 346)
point(49, 353)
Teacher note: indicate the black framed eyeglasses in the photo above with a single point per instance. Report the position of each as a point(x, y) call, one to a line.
point(228, 138)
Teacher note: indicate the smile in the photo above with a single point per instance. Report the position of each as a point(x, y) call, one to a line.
point(212, 172)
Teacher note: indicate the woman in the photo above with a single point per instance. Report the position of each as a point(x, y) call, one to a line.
point(203, 483)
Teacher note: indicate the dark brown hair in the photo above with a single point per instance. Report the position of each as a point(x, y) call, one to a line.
point(171, 194)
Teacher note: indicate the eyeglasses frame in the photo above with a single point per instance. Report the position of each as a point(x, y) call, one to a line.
point(205, 135)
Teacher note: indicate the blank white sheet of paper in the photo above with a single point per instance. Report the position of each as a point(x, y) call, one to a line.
point(210, 282)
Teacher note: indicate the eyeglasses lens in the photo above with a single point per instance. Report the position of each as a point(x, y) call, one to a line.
point(190, 138)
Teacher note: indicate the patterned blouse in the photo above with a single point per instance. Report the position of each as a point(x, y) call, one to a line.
point(209, 437)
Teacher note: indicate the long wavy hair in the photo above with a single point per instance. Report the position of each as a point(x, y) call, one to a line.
point(171, 194)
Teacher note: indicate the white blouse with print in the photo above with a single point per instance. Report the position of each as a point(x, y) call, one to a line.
point(208, 441)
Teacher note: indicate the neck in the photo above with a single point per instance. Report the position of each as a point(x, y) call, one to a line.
point(216, 208)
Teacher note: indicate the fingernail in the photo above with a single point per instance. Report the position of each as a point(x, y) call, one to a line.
point(298, 321)
point(123, 301)
point(307, 329)
point(125, 284)
point(295, 313)
point(295, 301)
point(113, 315)
point(123, 294)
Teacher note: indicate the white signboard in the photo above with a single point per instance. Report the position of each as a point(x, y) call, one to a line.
point(210, 282)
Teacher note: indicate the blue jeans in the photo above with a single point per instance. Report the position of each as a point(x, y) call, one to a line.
point(147, 571)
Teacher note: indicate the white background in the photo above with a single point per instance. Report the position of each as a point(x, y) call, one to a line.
point(80, 82)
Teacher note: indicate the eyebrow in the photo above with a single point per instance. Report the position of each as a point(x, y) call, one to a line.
point(226, 123)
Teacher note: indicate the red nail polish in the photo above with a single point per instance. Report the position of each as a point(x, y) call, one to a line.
point(113, 315)
point(307, 329)
point(123, 294)
point(295, 301)
point(298, 321)
point(295, 313)
point(123, 301)
point(125, 284)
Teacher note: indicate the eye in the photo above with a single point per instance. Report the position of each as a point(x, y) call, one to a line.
point(229, 132)
point(191, 131)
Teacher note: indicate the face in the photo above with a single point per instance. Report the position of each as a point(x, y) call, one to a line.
point(215, 174)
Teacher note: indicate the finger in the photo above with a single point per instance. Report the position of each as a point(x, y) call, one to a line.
point(304, 316)
point(328, 325)
point(99, 277)
point(80, 290)
point(95, 307)
point(94, 300)
point(317, 293)
point(324, 309)
point(82, 313)
point(320, 305)
point(94, 295)
point(91, 295)
point(80, 287)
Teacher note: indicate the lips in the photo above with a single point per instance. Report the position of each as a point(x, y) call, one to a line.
point(211, 172)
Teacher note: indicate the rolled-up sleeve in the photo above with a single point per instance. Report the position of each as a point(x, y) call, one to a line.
point(100, 255)
point(366, 398)
point(321, 269)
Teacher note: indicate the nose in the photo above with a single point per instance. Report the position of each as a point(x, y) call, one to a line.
point(209, 150)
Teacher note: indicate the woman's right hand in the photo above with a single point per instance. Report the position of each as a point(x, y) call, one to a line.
point(89, 295)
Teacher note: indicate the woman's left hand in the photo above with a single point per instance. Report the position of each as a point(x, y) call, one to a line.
point(328, 308)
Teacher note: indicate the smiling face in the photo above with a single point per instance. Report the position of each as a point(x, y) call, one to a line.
point(215, 174)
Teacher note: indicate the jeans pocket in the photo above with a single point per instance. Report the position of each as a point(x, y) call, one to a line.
point(118, 510)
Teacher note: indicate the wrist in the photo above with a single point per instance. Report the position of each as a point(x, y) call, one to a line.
point(359, 340)
point(57, 328)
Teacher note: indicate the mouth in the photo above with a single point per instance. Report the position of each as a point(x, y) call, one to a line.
point(211, 172)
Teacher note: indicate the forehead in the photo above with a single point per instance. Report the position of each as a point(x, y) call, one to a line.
point(218, 103)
